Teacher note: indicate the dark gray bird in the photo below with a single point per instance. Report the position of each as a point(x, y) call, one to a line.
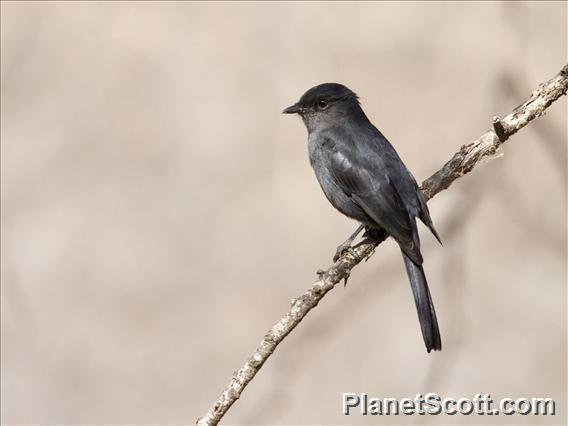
point(364, 178)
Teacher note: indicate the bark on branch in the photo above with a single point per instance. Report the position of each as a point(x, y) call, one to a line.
point(461, 163)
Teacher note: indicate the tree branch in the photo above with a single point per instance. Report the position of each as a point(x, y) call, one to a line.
point(461, 163)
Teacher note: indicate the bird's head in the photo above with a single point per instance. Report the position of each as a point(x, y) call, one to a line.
point(324, 104)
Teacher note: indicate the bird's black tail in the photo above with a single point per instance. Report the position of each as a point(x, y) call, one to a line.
point(424, 305)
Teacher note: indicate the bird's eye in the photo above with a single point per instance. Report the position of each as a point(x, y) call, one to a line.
point(322, 103)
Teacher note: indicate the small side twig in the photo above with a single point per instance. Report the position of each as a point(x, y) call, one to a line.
point(460, 164)
point(499, 129)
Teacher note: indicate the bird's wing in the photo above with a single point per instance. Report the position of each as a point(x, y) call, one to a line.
point(369, 186)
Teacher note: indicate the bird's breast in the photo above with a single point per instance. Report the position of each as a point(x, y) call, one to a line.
point(319, 148)
point(319, 152)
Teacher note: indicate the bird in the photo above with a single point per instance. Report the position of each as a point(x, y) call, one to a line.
point(363, 177)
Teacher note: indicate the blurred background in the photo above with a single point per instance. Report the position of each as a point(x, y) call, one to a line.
point(159, 213)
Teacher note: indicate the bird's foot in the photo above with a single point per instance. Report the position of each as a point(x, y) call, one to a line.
point(342, 248)
point(346, 245)
point(370, 254)
point(371, 236)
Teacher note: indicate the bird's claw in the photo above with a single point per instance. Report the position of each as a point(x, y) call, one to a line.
point(340, 250)
point(370, 254)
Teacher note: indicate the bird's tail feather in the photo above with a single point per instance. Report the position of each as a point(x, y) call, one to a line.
point(424, 305)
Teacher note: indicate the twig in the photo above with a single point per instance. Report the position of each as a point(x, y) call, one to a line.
point(461, 163)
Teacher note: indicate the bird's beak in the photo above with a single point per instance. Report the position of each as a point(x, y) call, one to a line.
point(294, 109)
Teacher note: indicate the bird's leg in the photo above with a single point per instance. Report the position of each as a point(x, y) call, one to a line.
point(346, 245)
point(371, 236)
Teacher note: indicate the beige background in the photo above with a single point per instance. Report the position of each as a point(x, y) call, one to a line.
point(159, 212)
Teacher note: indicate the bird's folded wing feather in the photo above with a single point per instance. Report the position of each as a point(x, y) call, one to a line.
point(371, 189)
